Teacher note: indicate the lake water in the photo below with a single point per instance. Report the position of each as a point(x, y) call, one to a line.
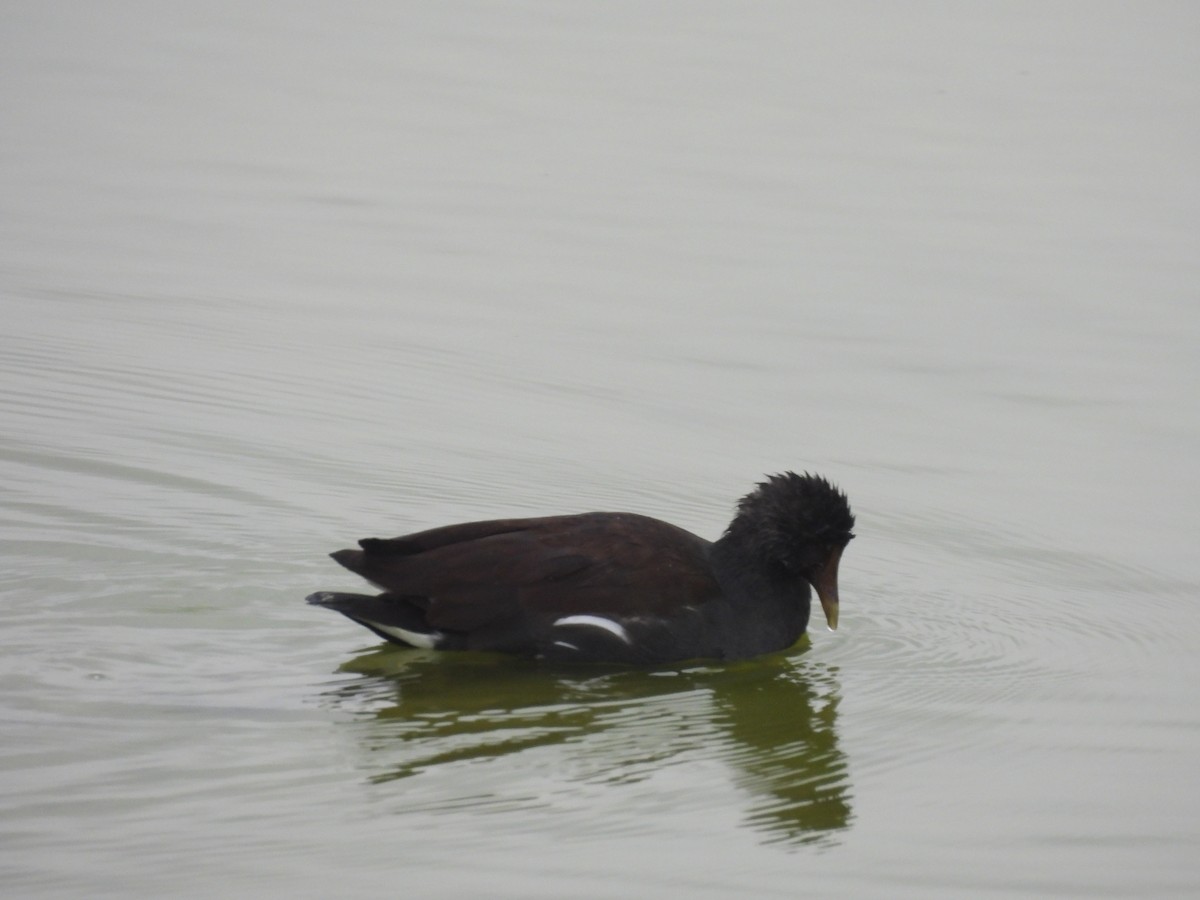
point(278, 276)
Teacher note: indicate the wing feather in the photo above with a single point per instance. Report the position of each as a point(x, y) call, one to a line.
point(520, 575)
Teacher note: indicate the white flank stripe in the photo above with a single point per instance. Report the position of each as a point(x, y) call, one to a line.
point(596, 622)
point(566, 644)
point(415, 638)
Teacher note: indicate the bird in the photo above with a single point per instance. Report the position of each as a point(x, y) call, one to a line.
point(610, 587)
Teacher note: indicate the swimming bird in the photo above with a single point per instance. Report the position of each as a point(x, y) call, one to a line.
point(610, 586)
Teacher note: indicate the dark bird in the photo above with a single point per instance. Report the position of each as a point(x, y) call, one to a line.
point(610, 587)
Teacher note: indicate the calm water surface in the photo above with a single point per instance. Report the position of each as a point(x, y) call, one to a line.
point(275, 277)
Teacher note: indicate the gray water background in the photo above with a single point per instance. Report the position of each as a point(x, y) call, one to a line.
point(277, 276)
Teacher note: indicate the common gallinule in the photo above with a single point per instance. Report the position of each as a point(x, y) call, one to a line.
point(610, 587)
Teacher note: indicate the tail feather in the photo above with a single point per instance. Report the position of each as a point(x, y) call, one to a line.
point(392, 618)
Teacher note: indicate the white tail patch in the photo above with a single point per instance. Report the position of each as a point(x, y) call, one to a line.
point(615, 628)
point(423, 640)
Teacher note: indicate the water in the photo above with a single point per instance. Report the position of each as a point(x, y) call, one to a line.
point(277, 277)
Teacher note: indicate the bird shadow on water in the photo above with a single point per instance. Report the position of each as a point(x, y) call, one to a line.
point(771, 722)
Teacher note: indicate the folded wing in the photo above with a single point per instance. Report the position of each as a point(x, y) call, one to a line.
point(515, 577)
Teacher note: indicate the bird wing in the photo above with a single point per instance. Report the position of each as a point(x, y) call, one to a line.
point(532, 571)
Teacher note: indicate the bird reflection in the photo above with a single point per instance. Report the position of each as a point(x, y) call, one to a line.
point(772, 721)
point(785, 751)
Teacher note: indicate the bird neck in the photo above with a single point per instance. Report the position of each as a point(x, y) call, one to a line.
point(745, 576)
point(768, 612)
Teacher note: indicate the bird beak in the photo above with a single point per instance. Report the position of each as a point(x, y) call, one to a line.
point(826, 584)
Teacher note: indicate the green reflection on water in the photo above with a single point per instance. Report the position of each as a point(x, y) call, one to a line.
point(771, 721)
